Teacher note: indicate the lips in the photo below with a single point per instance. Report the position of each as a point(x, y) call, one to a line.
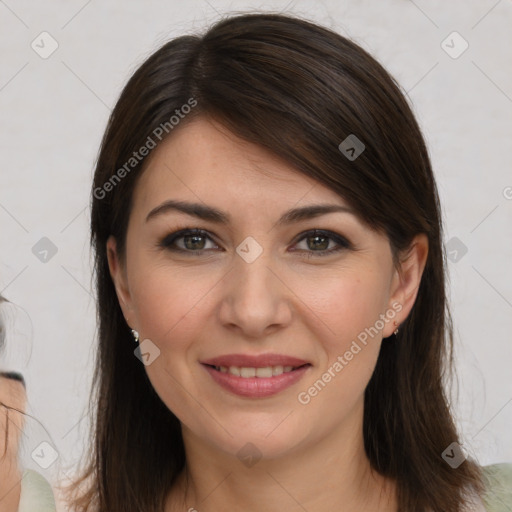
point(255, 376)
point(260, 361)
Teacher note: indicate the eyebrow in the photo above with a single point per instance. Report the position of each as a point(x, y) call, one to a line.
point(212, 214)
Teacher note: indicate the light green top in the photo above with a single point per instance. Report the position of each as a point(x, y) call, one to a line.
point(498, 484)
point(37, 494)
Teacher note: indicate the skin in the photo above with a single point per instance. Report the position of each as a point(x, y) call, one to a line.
point(193, 307)
point(12, 394)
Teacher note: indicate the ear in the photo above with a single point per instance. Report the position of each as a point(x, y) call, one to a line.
point(406, 281)
point(118, 274)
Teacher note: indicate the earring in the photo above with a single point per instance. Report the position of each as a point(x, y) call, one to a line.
point(135, 335)
point(396, 325)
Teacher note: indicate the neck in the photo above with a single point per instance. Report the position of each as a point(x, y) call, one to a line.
point(333, 474)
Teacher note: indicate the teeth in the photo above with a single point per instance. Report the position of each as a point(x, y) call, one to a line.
point(277, 370)
point(264, 372)
point(246, 373)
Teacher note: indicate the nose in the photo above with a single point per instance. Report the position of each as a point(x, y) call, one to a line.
point(256, 301)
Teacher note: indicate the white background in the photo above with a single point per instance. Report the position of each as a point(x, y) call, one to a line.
point(53, 114)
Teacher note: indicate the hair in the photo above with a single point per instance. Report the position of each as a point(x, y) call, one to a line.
point(298, 90)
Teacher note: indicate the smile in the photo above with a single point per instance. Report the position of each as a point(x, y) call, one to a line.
point(248, 372)
point(256, 376)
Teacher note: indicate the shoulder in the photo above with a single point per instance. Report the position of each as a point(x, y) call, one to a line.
point(498, 487)
point(36, 493)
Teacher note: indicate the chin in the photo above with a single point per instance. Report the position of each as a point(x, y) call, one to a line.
point(255, 436)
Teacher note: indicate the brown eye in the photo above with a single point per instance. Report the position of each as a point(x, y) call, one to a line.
point(187, 240)
point(195, 241)
point(318, 243)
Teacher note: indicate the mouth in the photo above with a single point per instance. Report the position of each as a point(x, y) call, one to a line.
point(265, 372)
point(256, 376)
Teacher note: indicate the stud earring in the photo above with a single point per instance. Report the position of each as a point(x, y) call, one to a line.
point(135, 335)
point(396, 325)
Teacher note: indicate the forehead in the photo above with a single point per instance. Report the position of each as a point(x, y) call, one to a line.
point(203, 161)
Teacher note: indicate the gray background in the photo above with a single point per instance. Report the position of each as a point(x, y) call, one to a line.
point(53, 114)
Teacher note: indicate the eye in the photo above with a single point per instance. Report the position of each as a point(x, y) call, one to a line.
point(194, 241)
point(318, 241)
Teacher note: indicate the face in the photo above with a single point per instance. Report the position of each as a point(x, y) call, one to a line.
point(261, 326)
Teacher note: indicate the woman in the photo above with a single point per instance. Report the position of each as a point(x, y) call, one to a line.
point(267, 226)
point(21, 490)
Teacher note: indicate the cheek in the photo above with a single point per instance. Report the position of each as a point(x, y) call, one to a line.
point(350, 307)
point(169, 307)
point(168, 300)
point(347, 305)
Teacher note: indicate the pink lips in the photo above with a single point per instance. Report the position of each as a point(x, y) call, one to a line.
point(256, 387)
point(254, 361)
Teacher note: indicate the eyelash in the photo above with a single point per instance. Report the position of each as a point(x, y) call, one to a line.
point(343, 244)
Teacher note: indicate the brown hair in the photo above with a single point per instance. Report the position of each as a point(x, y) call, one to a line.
point(298, 90)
